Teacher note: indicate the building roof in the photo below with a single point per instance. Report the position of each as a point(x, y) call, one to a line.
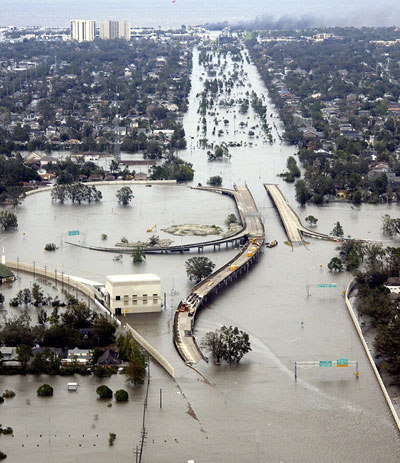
point(109, 357)
point(133, 278)
point(5, 272)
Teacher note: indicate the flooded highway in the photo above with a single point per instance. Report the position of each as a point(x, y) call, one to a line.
point(253, 411)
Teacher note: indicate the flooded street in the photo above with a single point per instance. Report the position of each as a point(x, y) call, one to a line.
point(253, 411)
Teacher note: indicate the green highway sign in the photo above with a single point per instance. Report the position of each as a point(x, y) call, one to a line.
point(343, 362)
point(73, 232)
point(326, 285)
point(325, 363)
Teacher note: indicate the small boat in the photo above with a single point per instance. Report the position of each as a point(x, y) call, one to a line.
point(271, 244)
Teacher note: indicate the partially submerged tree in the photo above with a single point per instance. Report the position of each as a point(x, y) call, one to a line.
point(335, 264)
point(311, 220)
point(337, 230)
point(198, 268)
point(228, 343)
point(8, 220)
point(124, 195)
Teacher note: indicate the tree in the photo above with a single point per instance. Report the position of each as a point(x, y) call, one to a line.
point(8, 220)
point(104, 392)
point(337, 230)
point(212, 342)
point(236, 343)
point(45, 390)
point(138, 254)
point(37, 295)
point(216, 180)
point(24, 353)
point(302, 192)
point(311, 220)
point(198, 268)
point(121, 395)
point(124, 195)
point(231, 219)
point(136, 370)
point(103, 330)
point(335, 264)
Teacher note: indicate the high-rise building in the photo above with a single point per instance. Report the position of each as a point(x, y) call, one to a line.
point(115, 30)
point(83, 30)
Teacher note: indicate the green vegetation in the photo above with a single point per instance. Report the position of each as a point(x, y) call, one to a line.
point(8, 220)
point(138, 255)
point(231, 219)
point(198, 268)
point(124, 195)
point(337, 230)
point(293, 171)
point(173, 168)
point(76, 192)
point(8, 394)
point(3, 456)
point(130, 352)
point(216, 180)
point(50, 247)
point(111, 438)
point(220, 152)
point(104, 392)
point(335, 264)
point(45, 390)
point(227, 343)
point(311, 220)
point(121, 395)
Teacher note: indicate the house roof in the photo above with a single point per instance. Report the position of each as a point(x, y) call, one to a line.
point(108, 358)
point(5, 272)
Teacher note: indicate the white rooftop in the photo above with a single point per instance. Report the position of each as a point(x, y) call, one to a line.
point(133, 278)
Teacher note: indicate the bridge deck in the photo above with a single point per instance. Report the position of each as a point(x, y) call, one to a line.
point(184, 321)
point(291, 221)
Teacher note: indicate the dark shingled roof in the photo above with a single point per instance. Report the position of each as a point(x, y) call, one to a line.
point(108, 358)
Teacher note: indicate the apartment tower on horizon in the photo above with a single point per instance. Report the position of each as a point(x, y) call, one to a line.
point(83, 30)
point(110, 30)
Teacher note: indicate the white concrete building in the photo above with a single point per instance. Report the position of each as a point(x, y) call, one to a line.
point(110, 30)
point(133, 293)
point(83, 30)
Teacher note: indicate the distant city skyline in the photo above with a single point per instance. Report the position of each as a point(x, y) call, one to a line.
point(165, 13)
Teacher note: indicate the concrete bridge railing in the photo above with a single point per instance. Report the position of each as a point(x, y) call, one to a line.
point(353, 316)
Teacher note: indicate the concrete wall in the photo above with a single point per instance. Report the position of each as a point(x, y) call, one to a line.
point(371, 360)
point(69, 281)
point(110, 182)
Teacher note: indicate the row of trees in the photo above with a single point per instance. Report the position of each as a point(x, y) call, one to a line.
point(76, 192)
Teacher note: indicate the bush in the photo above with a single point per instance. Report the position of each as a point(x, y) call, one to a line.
point(111, 438)
point(8, 394)
point(45, 391)
point(1, 400)
point(3, 456)
point(121, 396)
point(6, 430)
point(104, 392)
point(103, 372)
point(50, 247)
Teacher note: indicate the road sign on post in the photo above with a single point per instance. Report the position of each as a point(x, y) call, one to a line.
point(325, 363)
point(73, 232)
point(326, 285)
point(343, 362)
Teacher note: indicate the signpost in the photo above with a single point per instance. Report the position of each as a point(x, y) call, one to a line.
point(73, 232)
point(341, 362)
point(325, 363)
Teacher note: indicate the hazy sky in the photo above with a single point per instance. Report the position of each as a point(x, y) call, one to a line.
point(167, 14)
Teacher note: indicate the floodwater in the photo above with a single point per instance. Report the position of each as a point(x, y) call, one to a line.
point(254, 411)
